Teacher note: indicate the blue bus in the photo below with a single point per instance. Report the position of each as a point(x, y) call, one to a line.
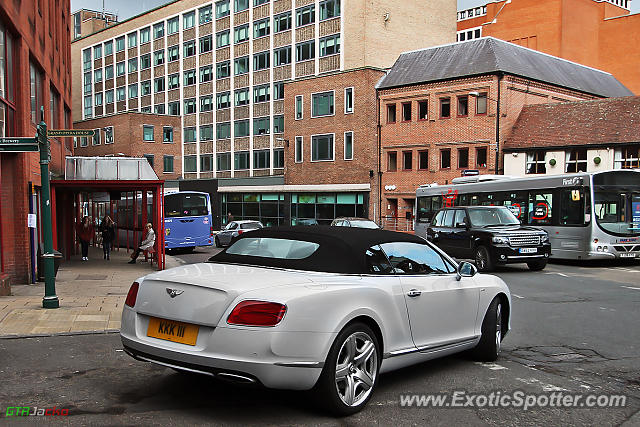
point(187, 220)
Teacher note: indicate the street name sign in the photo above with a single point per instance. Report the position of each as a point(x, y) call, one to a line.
point(19, 144)
point(69, 132)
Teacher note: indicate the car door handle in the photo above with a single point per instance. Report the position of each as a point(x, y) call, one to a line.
point(414, 293)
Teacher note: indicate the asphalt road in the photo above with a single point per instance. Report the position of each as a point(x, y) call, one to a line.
point(575, 330)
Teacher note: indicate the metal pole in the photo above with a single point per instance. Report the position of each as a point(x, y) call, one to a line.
point(50, 299)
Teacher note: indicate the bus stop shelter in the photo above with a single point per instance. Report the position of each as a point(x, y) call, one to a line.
point(125, 188)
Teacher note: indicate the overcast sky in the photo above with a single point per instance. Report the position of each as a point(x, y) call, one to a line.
point(127, 8)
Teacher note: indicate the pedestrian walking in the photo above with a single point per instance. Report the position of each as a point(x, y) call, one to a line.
point(147, 243)
point(85, 232)
point(229, 217)
point(108, 230)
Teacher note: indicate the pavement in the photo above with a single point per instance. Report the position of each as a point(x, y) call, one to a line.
point(91, 295)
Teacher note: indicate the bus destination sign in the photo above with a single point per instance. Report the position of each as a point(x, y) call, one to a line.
point(19, 144)
point(69, 132)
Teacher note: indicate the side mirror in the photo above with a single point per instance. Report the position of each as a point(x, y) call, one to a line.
point(465, 269)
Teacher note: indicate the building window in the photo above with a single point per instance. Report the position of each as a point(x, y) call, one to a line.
point(96, 137)
point(150, 158)
point(145, 61)
point(189, 48)
point(189, 77)
point(261, 126)
point(88, 86)
point(120, 70)
point(173, 53)
point(167, 163)
point(145, 35)
point(158, 57)
point(535, 162)
point(261, 159)
point(242, 97)
point(120, 44)
point(241, 160)
point(240, 5)
point(261, 61)
point(108, 97)
point(463, 158)
point(206, 132)
point(158, 30)
point(278, 158)
point(445, 159)
point(167, 134)
point(206, 44)
point(108, 72)
point(423, 160)
point(223, 100)
point(282, 56)
point(261, 94)
point(222, 9)
point(223, 130)
point(205, 14)
point(278, 90)
point(108, 135)
point(627, 157)
point(576, 160)
point(97, 52)
point(190, 106)
point(463, 106)
point(133, 65)
point(305, 15)
point(299, 107)
point(407, 160)
point(329, 9)
point(348, 100)
point(206, 103)
point(406, 112)
point(121, 93)
point(445, 108)
point(88, 108)
point(133, 90)
point(305, 51)
point(159, 108)
point(298, 149)
point(322, 104)
point(173, 81)
point(322, 148)
point(241, 128)
point(223, 69)
point(391, 113)
point(223, 162)
point(172, 26)
point(282, 22)
point(146, 109)
point(481, 104)
point(423, 110)
point(481, 157)
point(147, 133)
point(330, 45)
point(261, 28)
point(241, 65)
point(174, 108)
point(206, 163)
point(86, 59)
point(97, 75)
point(158, 84)
point(392, 161)
point(278, 124)
point(84, 141)
point(223, 38)
point(190, 163)
point(189, 134)
point(348, 145)
point(132, 40)
point(189, 20)
point(108, 48)
point(241, 33)
point(259, 2)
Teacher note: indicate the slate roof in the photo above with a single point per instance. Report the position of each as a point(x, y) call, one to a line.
point(594, 122)
point(489, 55)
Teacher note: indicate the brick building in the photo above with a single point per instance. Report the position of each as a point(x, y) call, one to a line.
point(583, 136)
point(439, 110)
point(156, 137)
point(597, 33)
point(86, 21)
point(34, 72)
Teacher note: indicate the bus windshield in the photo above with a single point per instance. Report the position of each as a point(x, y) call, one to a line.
point(487, 217)
point(176, 205)
point(617, 210)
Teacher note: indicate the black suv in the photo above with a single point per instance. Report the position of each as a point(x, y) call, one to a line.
point(489, 234)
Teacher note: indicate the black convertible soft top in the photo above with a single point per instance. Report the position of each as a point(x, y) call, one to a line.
point(342, 249)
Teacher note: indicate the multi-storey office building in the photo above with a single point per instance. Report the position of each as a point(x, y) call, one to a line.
point(222, 66)
point(86, 21)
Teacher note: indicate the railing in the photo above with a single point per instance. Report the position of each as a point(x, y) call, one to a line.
point(397, 224)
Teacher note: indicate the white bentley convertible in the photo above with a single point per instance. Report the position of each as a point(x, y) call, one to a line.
point(323, 308)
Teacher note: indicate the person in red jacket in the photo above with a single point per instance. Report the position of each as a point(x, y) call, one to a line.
point(85, 232)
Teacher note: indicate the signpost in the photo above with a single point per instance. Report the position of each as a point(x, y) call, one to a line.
point(18, 145)
point(62, 133)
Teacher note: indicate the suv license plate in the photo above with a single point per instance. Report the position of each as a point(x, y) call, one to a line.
point(528, 250)
point(628, 255)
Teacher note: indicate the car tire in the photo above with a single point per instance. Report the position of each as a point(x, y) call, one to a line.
point(217, 241)
point(537, 265)
point(488, 348)
point(483, 259)
point(350, 373)
point(189, 249)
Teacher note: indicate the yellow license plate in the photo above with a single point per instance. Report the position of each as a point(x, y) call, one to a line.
point(170, 330)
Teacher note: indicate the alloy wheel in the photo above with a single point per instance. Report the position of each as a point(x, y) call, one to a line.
point(356, 369)
point(481, 259)
point(498, 327)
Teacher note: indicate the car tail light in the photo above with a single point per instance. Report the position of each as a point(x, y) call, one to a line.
point(132, 295)
point(257, 313)
point(240, 232)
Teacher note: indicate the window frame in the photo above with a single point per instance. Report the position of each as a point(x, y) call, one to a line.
point(407, 154)
point(345, 146)
point(404, 105)
point(164, 139)
point(333, 147)
point(442, 151)
point(346, 97)
point(146, 127)
point(332, 106)
point(458, 151)
point(420, 153)
point(441, 103)
point(299, 149)
point(299, 107)
point(482, 95)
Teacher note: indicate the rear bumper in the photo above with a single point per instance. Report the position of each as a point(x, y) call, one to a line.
point(504, 254)
point(281, 360)
point(173, 244)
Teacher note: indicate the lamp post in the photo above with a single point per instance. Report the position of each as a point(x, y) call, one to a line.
point(476, 94)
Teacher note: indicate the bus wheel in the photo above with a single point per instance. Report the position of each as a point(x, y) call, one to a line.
point(537, 265)
point(483, 259)
point(189, 249)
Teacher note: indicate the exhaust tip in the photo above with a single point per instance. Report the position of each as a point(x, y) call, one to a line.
point(235, 378)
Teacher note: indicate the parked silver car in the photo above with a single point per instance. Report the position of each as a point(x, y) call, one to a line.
point(234, 229)
point(354, 222)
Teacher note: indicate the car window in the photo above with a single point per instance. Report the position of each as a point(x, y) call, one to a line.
point(364, 224)
point(231, 226)
point(487, 217)
point(461, 215)
point(448, 218)
point(377, 262)
point(438, 219)
point(267, 247)
point(339, 223)
point(250, 225)
point(414, 258)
